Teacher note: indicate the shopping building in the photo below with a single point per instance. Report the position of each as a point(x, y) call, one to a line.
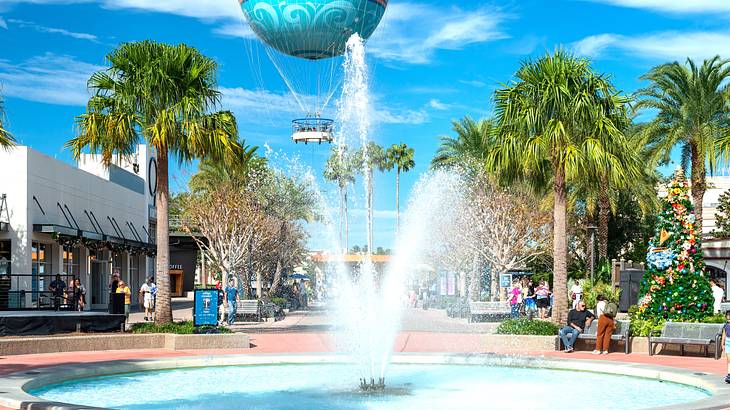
point(88, 222)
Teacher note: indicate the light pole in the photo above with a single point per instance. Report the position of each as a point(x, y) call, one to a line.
point(592, 231)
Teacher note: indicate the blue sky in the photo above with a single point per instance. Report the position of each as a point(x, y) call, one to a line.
point(431, 62)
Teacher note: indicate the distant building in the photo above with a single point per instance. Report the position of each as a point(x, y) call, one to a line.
point(88, 222)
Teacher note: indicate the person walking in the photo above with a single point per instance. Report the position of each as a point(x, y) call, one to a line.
point(576, 293)
point(516, 299)
point(542, 294)
point(717, 295)
point(232, 300)
point(148, 299)
point(607, 312)
point(123, 288)
point(529, 298)
point(79, 295)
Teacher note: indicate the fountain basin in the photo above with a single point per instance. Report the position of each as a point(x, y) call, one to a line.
point(330, 381)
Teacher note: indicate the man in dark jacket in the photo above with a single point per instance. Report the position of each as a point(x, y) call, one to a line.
point(578, 319)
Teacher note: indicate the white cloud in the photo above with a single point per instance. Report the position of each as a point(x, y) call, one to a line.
point(43, 29)
point(208, 9)
point(474, 83)
point(665, 45)
point(240, 30)
point(49, 78)
point(253, 105)
point(674, 6)
point(412, 32)
point(438, 105)
point(3, 24)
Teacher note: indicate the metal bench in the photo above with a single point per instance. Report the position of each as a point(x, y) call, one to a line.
point(497, 310)
point(249, 307)
point(697, 334)
point(620, 333)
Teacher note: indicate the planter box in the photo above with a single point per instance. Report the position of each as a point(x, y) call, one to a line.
point(36, 345)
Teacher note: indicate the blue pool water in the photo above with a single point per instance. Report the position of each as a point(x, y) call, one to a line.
point(333, 386)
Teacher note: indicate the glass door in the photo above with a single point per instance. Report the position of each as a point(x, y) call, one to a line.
point(99, 281)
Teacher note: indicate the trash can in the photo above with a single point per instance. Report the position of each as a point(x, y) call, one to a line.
point(116, 303)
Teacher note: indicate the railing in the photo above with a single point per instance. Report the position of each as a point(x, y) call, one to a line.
point(313, 125)
point(30, 292)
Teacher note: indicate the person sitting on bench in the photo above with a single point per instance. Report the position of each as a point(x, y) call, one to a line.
point(578, 319)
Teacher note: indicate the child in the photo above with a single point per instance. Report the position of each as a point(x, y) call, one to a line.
point(726, 343)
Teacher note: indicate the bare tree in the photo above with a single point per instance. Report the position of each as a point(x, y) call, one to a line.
point(504, 228)
point(223, 222)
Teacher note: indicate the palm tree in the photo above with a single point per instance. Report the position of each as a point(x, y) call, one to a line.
point(399, 156)
point(239, 168)
point(370, 157)
point(693, 112)
point(554, 122)
point(470, 146)
point(165, 95)
point(6, 139)
point(340, 169)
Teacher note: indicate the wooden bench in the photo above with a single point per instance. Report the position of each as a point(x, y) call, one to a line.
point(620, 333)
point(249, 307)
point(497, 310)
point(696, 334)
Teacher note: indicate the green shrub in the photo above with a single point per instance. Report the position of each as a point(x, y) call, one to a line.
point(643, 328)
point(527, 327)
point(179, 328)
point(281, 302)
point(716, 318)
point(592, 290)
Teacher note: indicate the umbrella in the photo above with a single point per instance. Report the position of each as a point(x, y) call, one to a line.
point(299, 276)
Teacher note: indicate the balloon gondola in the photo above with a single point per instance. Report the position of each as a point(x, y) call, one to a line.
point(303, 39)
point(315, 129)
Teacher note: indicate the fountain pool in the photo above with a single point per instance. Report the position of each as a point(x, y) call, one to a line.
point(328, 385)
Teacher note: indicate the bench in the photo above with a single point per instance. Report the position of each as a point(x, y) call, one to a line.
point(498, 310)
point(696, 334)
point(620, 333)
point(249, 307)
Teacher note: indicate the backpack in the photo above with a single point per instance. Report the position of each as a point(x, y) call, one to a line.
point(611, 310)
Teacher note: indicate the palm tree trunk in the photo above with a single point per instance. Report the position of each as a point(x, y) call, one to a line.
point(698, 185)
point(163, 307)
point(560, 249)
point(603, 210)
point(397, 201)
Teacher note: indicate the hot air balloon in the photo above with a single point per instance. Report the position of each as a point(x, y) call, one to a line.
point(302, 39)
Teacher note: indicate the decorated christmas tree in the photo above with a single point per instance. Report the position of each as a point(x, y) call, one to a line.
point(675, 287)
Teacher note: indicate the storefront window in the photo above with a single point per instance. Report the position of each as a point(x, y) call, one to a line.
point(134, 278)
point(72, 262)
point(41, 267)
point(5, 258)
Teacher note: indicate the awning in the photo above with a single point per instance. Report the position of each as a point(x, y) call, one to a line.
point(105, 241)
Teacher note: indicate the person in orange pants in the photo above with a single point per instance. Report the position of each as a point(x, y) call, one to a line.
point(606, 326)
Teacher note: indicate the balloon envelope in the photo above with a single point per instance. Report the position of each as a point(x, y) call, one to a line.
point(312, 29)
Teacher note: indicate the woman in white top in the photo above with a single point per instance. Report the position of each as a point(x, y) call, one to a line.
point(717, 295)
point(600, 305)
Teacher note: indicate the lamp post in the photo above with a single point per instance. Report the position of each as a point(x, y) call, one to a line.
point(592, 231)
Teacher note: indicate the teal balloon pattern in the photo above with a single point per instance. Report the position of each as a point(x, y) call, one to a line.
point(312, 29)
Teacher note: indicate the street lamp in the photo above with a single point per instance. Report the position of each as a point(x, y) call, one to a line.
point(592, 231)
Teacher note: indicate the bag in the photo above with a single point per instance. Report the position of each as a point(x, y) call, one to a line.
point(611, 310)
point(572, 296)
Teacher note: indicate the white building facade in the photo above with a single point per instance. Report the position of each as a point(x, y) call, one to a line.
point(87, 222)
